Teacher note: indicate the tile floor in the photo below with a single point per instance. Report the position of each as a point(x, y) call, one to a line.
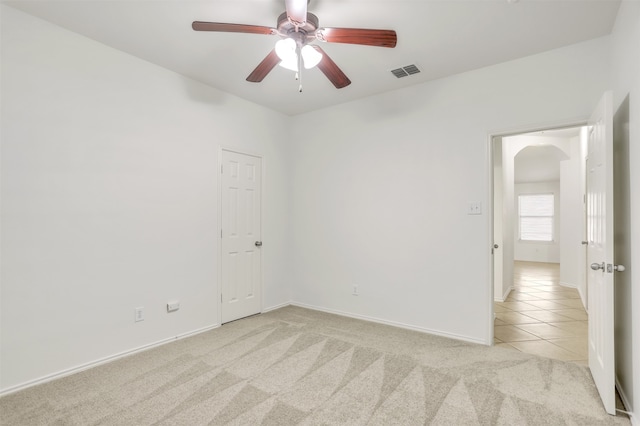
point(542, 317)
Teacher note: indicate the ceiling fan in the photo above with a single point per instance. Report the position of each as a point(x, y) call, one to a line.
point(297, 30)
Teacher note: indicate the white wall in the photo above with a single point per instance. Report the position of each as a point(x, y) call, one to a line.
point(109, 199)
point(626, 84)
point(381, 188)
point(538, 251)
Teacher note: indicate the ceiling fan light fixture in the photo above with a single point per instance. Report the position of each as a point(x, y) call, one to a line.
point(310, 56)
point(286, 49)
point(290, 63)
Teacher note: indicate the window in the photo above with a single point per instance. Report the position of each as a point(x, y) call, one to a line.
point(535, 213)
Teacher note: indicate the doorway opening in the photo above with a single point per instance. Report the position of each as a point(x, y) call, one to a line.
point(540, 292)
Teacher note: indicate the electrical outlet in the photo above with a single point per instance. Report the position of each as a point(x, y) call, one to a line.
point(474, 208)
point(173, 306)
point(139, 314)
point(355, 290)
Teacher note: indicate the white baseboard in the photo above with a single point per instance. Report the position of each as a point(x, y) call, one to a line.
point(504, 296)
point(392, 323)
point(88, 365)
point(584, 299)
point(627, 403)
point(273, 308)
point(105, 360)
point(569, 285)
point(565, 284)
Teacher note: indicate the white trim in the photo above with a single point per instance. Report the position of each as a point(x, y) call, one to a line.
point(239, 151)
point(219, 236)
point(101, 361)
point(392, 323)
point(569, 285)
point(627, 403)
point(579, 289)
point(529, 128)
point(583, 299)
point(634, 419)
point(273, 308)
point(505, 295)
point(490, 239)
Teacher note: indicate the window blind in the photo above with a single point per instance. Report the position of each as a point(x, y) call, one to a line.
point(536, 217)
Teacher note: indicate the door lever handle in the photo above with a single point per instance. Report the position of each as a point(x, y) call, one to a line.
point(258, 243)
point(584, 243)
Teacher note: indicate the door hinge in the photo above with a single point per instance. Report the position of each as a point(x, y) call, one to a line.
point(221, 233)
point(220, 297)
point(221, 168)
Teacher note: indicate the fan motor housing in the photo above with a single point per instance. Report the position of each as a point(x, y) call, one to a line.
point(285, 27)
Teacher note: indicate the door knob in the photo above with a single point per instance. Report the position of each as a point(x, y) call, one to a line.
point(584, 243)
point(596, 266)
point(495, 246)
point(258, 243)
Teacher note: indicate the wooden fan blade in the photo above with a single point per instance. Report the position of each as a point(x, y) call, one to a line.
point(264, 67)
point(331, 70)
point(380, 38)
point(231, 28)
point(296, 11)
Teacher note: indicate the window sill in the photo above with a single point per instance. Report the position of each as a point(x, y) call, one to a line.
point(537, 242)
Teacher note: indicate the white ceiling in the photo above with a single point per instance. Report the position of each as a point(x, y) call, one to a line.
point(442, 38)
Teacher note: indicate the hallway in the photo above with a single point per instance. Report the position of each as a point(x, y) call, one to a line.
point(542, 317)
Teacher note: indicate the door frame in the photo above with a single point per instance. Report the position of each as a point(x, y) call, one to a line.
point(218, 244)
point(501, 133)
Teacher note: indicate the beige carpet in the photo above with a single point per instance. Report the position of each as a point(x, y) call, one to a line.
point(297, 366)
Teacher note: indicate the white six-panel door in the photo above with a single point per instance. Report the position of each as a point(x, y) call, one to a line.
point(241, 263)
point(600, 276)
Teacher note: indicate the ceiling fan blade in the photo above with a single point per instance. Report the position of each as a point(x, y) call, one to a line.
point(331, 70)
point(264, 67)
point(380, 38)
point(232, 28)
point(296, 11)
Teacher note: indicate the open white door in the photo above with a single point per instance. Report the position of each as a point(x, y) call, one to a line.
point(600, 276)
point(241, 263)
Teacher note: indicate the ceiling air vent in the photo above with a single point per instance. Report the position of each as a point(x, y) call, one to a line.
point(405, 71)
